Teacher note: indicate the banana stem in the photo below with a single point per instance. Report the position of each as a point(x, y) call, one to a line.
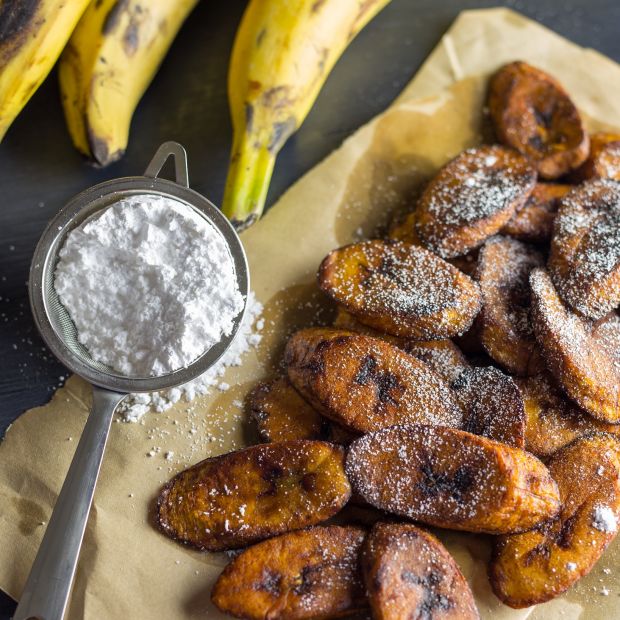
point(247, 183)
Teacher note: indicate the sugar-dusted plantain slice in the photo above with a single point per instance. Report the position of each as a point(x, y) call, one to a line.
point(536, 566)
point(504, 267)
point(604, 159)
point(281, 414)
point(400, 289)
point(409, 574)
point(443, 356)
point(453, 479)
point(493, 403)
point(534, 221)
point(471, 198)
point(532, 113)
point(232, 500)
point(553, 421)
point(313, 573)
point(366, 383)
point(582, 356)
point(584, 262)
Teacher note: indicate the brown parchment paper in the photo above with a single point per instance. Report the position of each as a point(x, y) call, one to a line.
point(127, 569)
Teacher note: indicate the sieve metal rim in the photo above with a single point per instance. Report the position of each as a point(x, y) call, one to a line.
point(84, 205)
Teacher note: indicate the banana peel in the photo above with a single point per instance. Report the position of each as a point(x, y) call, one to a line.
point(32, 36)
point(282, 55)
point(108, 64)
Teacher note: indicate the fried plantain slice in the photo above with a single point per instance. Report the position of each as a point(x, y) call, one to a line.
point(443, 356)
point(493, 403)
point(404, 229)
point(281, 414)
point(506, 333)
point(604, 159)
point(312, 573)
point(409, 574)
point(584, 357)
point(532, 113)
point(534, 221)
point(536, 566)
point(366, 383)
point(235, 499)
point(400, 289)
point(452, 479)
point(584, 262)
point(552, 421)
point(471, 198)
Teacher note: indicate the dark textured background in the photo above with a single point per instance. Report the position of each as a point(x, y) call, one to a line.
point(39, 169)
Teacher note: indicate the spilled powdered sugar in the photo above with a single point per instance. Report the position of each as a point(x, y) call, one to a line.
point(604, 519)
point(248, 337)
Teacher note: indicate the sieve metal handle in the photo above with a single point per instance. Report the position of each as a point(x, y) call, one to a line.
point(166, 150)
point(48, 586)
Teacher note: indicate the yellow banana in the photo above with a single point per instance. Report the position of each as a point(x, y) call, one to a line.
point(32, 35)
point(107, 65)
point(283, 52)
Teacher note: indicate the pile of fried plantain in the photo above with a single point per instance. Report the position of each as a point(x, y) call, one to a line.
point(470, 381)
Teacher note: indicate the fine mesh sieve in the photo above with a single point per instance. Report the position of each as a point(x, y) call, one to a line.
point(51, 317)
point(47, 589)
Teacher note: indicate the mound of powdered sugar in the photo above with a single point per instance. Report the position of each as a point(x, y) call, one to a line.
point(149, 284)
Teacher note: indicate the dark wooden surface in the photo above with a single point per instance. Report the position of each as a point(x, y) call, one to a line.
point(39, 169)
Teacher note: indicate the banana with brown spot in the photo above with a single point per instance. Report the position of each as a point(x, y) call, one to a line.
point(32, 35)
point(107, 66)
point(282, 55)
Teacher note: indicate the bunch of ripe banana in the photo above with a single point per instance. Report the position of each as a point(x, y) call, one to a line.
point(110, 50)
